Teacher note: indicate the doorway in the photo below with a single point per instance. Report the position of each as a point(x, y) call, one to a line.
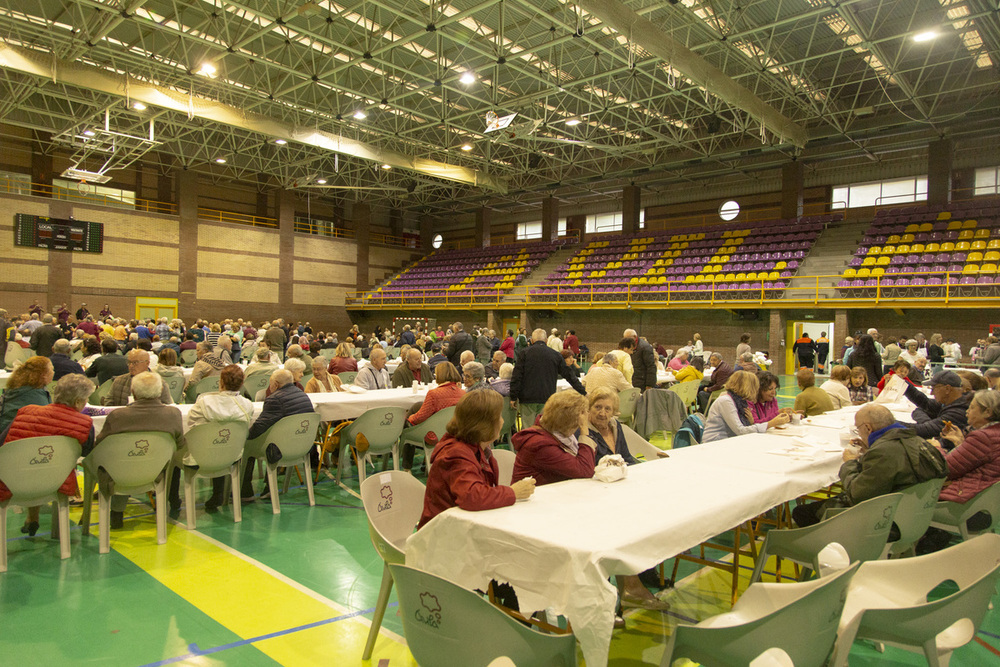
point(149, 308)
point(815, 329)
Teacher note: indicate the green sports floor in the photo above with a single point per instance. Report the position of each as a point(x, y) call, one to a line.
point(294, 589)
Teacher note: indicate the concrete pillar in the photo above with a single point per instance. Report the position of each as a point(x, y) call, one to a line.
point(483, 218)
point(939, 158)
point(493, 320)
point(550, 219)
point(165, 187)
point(631, 205)
point(60, 287)
point(577, 223)
point(41, 163)
point(963, 183)
point(791, 190)
point(262, 208)
point(187, 209)
point(525, 324)
point(775, 338)
point(286, 247)
point(841, 330)
point(396, 222)
point(426, 233)
point(361, 214)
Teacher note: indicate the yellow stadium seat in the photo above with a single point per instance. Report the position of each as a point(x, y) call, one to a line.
point(729, 277)
point(741, 276)
point(947, 246)
point(966, 235)
point(970, 224)
point(780, 266)
point(902, 249)
point(773, 275)
point(893, 240)
point(690, 278)
point(869, 261)
point(932, 247)
point(917, 247)
point(993, 244)
point(970, 268)
point(752, 276)
point(864, 272)
point(954, 225)
point(737, 241)
point(701, 278)
point(944, 215)
point(982, 233)
point(883, 260)
point(988, 269)
point(907, 238)
point(874, 250)
point(926, 227)
point(974, 257)
point(878, 272)
point(963, 246)
point(849, 273)
point(912, 229)
point(992, 256)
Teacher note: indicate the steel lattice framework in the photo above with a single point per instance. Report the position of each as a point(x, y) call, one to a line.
point(306, 68)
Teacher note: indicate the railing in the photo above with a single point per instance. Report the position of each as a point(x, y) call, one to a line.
point(216, 215)
point(716, 294)
point(393, 241)
point(710, 220)
point(322, 228)
point(16, 187)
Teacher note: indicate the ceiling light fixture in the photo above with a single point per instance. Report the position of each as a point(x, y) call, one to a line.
point(280, 142)
point(468, 78)
point(466, 147)
point(573, 121)
point(207, 69)
point(925, 36)
point(387, 166)
point(220, 160)
point(89, 133)
point(360, 115)
point(321, 181)
point(139, 106)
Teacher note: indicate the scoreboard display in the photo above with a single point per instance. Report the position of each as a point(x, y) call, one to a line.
point(38, 231)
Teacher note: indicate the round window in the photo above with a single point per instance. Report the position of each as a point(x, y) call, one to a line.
point(729, 210)
point(437, 241)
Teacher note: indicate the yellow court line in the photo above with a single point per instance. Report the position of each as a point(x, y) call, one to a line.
point(250, 599)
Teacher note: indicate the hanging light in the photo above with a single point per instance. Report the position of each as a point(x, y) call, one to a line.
point(466, 147)
point(573, 122)
point(468, 78)
point(360, 114)
point(139, 106)
point(220, 160)
point(280, 142)
point(207, 69)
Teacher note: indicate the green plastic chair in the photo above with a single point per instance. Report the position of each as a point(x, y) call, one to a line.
point(189, 358)
point(953, 516)
point(509, 425)
point(135, 463)
point(382, 428)
point(627, 400)
point(328, 353)
point(33, 470)
point(204, 386)
point(357, 353)
point(862, 531)
point(641, 448)
point(505, 463)
point(393, 503)
point(888, 600)
point(347, 377)
point(248, 352)
point(914, 515)
point(76, 356)
point(711, 399)
point(217, 448)
point(446, 624)
point(436, 424)
point(688, 392)
point(294, 435)
point(16, 355)
point(392, 352)
point(255, 383)
point(176, 386)
point(51, 387)
point(98, 396)
point(796, 624)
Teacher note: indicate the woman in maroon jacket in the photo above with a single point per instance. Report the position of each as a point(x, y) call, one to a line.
point(550, 452)
point(974, 463)
point(464, 473)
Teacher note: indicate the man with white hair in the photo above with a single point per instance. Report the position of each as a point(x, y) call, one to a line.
point(605, 373)
point(466, 357)
point(502, 384)
point(535, 375)
point(374, 375)
point(554, 341)
point(484, 346)
point(146, 413)
point(873, 332)
point(121, 387)
point(412, 369)
point(643, 362)
point(61, 363)
point(493, 370)
point(44, 336)
point(474, 377)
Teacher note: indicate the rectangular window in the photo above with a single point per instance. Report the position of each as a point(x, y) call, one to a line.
point(97, 194)
point(988, 181)
point(880, 193)
point(602, 223)
point(15, 184)
point(529, 230)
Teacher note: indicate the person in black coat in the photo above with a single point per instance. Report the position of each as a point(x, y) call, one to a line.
point(109, 365)
point(44, 336)
point(643, 361)
point(459, 343)
point(536, 372)
point(61, 363)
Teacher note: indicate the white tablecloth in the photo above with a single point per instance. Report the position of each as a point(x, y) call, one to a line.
point(559, 547)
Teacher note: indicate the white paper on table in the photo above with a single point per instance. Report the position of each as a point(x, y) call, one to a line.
point(893, 391)
point(788, 431)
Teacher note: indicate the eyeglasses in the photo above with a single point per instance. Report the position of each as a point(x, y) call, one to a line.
point(135, 362)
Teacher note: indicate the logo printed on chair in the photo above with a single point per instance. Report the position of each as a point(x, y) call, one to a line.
point(45, 454)
point(303, 427)
point(141, 448)
point(430, 603)
point(886, 519)
point(223, 437)
point(386, 493)
point(387, 419)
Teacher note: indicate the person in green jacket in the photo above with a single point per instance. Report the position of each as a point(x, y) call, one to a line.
point(26, 387)
point(520, 343)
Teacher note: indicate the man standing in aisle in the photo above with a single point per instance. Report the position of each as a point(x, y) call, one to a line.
point(535, 375)
point(643, 362)
point(822, 352)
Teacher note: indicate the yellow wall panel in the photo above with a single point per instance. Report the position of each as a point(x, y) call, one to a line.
point(317, 295)
point(325, 272)
point(232, 263)
point(30, 274)
point(234, 289)
point(9, 206)
point(318, 247)
point(132, 225)
point(244, 237)
point(390, 256)
point(120, 254)
point(126, 278)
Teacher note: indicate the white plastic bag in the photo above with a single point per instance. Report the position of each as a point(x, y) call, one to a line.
point(611, 468)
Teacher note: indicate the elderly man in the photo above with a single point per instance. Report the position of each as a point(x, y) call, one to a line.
point(948, 405)
point(720, 374)
point(146, 413)
point(679, 361)
point(918, 371)
point(33, 323)
point(535, 375)
point(891, 457)
point(465, 358)
point(484, 346)
point(811, 399)
point(459, 343)
point(605, 373)
point(275, 337)
point(44, 336)
point(285, 400)
point(474, 377)
point(121, 388)
point(554, 341)
point(82, 312)
point(493, 370)
point(407, 337)
point(262, 363)
point(746, 363)
point(413, 370)
point(374, 375)
point(109, 365)
point(61, 363)
point(643, 362)
point(437, 356)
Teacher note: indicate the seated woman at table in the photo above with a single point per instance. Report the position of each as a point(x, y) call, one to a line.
point(61, 417)
point(861, 392)
point(811, 400)
point(297, 368)
point(343, 360)
point(464, 472)
point(26, 386)
point(551, 452)
point(322, 382)
point(448, 392)
point(731, 414)
point(603, 429)
point(91, 351)
point(901, 368)
point(570, 360)
point(765, 406)
point(262, 348)
point(166, 364)
point(693, 371)
point(837, 386)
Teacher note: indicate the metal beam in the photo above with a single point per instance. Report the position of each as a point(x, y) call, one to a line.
point(645, 34)
point(122, 85)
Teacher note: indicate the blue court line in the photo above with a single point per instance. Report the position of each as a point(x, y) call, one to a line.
point(197, 652)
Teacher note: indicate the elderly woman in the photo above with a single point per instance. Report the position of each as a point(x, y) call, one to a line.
point(551, 452)
point(603, 429)
point(26, 386)
point(693, 371)
point(859, 389)
point(743, 347)
point(901, 368)
point(322, 382)
point(974, 463)
point(605, 373)
point(343, 360)
point(297, 368)
point(811, 400)
point(61, 417)
point(464, 473)
point(679, 362)
point(910, 354)
point(502, 384)
point(166, 364)
point(731, 414)
point(697, 347)
point(224, 348)
point(837, 386)
point(570, 360)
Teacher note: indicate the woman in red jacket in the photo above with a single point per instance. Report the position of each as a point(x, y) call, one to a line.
point(61, 417)
point(550, 452)
point(464, 473)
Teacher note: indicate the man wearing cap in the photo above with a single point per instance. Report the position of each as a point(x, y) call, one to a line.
point(949, 404)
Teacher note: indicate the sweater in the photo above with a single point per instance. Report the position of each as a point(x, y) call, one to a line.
point(974, 465)
point(813, 401)
point(437, 399)
point(463, 475)
point(541, 455)
point(930, 415)
point(33, 421)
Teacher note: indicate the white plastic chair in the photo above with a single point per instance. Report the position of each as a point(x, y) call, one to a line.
point(134, 463)
point(217, 448)
point(436, 424)
point(862, 530)
point(796, 623)
point(887, 600)
point(505, 462)
point(640, 447)
point(33, 470)
point(382, 428)
point(393, 503)
point(953, 516)
point(914, 514)
point(257, 382)
point(176, 385)
point(16, 355)
point(627, 400)
point(294, 435)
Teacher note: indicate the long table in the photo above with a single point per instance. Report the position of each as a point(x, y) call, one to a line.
point(559, 547)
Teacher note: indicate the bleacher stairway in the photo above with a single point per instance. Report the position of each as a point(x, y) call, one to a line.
point(540, 273)
point(829, 256)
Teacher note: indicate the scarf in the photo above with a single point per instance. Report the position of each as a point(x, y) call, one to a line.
point(569, 442)
point(741, 408)
point(875, 435)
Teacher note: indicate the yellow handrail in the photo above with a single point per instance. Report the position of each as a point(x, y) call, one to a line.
point(217, 215)
point(15, 187)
